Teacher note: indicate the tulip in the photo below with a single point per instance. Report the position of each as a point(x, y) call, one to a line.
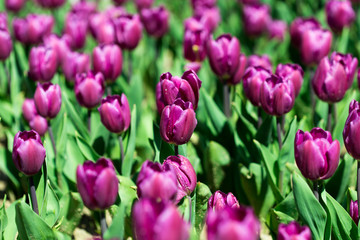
point(108, 60)
point(224, 55)
point(292, 72)
point(185, 174)
point(277, 95)
point(14, 5)
point(115, 113)
point(293, 231)
point(84, 7)
point(28, 109)
point(232, 223)
point(260, 61)
point(43, 63)
point(140, 4)
point(339, 14)
point(39, 124)
point(105, 34)
point(209, 17)
point(330, 81)
point(299, 26)
point(203, 4)
point(249, 1)
point(195, 66)
point(89, 89)
point(33, 28)
point(350, 65)
point(219, 200)
point(350, 133)
point(51, 3)
point(252, 81)
point(97, 183)
point(47, 99)
point(5, 44)
point(76, 26)
point(277, 29)
point(61, 45)
point(239, 72)
point(316, 44)
point(316, 154)
point(195, 38)
point(119, 2)
point(171, 88)
point(3, 21)
point(177, 122)
point(155, 20)
point(75, 63)
point(256, 17)
point(157, 182)
point(28, 152)
point(158, 221)
point(128, 31)
point(354, 211)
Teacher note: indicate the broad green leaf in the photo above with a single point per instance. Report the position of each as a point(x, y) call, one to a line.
point(3, 219)
point(71, 207)
point(86, 149)
point(11, 229)
point(51, 209)
point(129, 152)
point(203, 194)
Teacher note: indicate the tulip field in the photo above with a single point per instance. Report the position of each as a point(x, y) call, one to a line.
point(179, 119)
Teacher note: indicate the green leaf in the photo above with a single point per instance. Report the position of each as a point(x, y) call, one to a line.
point(310, 210)
point(129, 154)
point(3, 219)
point(287, 151)
point(86, 149)
point(51, 209)
point(71, 207)
point(11, 229)
point(203, 194)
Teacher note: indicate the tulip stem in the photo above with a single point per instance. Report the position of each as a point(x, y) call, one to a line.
point(358, 185)
point(89, 120)
point(33, 195)
point(226, 101)
point(316, 189)
point(108, 90)
point(283, 124)
point(281, 171)
point(121, 148)
point(260, 120)
point(7, 76)
point(328, 126)
point(103, 224)
point(190, 206)
point(51, 134)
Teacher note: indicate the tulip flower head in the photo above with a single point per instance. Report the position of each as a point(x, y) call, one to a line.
point(14, 5)
point(75, 63)
point(47, 99)
point(155, 21)
point(299, 26)
point(293, 231)
point(128, 31)
point(5, 44)
point(277, 29)
point(260, 61)
point(140, 4)
point(256, 18)
point(195, 38)
point(252, 82)
point(89, 89)
point(76, 26)
point(350, 63)
point(61, 45)
point(339, 14)
point(354, 211)
point(43, 63)
point(50, 3)
point(219, 200)
point(107, 59)
point(36, 122)
point(351, 130)
point(294, 73)
point(315, 45)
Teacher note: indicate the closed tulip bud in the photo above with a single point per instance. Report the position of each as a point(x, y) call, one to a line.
point(177, 122)
point(5, 44)
point(202, 4)
point(277, 95)
point(140, 4)
point(316, 154)
point(155, 21)
point(209, 17)
point(61, 45)
point(43, 63)
point(33, 28)
point(157, 182)
point(14, 5)
point(256, 17)
point(330, 81)
point(293, 230)
point(277, 29)
point(292, 72)
point(75, 63)
point(50, 3)
point(97, 183)
point(39, 124)
point(299, 26)
point(29, 109)
point(350, 63)
point(239, 72)
point(354, 211)
point(119, 2)
point(115, 113)
point(28, 152)
point(315, 45)
point(339, 14)
point(171, 88)
point(350, 133)
point(3, 21)
point(252, 82)
point(108, 60)
point(105, 34)
point(220, 200)
point(47, 99)
point(158, 221)
point(128, 31)
point(224, 55)
point(185, 174)
point(260, 61)
point(89, 89)
point(232, 223)
point(84, 7)
point(195, 66)
point(195, 38)
point(76, 26)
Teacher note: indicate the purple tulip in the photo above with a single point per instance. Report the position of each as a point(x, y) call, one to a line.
point(299, 26)
point(177, 122)
point(155, 21)
point(209, 17)
point(256, 18)
point(330, 81)
point(84, 7)
point(157, 182)
point(224, 55)
point(158, 221)
point(43, 63)
point(3, 21)
point(316, 154)
point(47, 99)
point(14, 5)
point(119, 2)
point(50, 3)
point(128, 31)
point(115, 113)
point(354, 211)
point(140, 4)
point(105, 34)
point(5, 44)
point(260, 61)
point(219, 200)
point(292, 72)
point(195, 66)
point(89, 89)
point(293, 231)
point(185, 174)
point(171, 88)
point(39, 124)
point(239, 72)
point(108, 60)
point(249, 1)
point(252, 81)
point(350, 65)
point(33, 28)
point(339, 14)
point(315, 45)
point(277, 29)
point(195, 39)
point(203, 4)
point(75, 63)
point(76, 26)
point(232, 223)
point(97, 183)
point(61, 45)
point(350, 133)
point(28, 152)
point(277, 95)
point(29, 109)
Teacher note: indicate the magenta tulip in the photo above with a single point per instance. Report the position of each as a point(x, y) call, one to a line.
point(293, 231)
point(107, 59)
point(14, 5)
point(140, 4)
point(260, 61)
point(252, 82)
point(50, 3)
point(155, 21)
point(219, 200)
point(292, 72)
point(39, 124)
point(351, 132)
point(29, 109)
point(195, 39)
point(89, 89)
point(128, 31)
point(354, 211)
point(256, 18)
point(75, 63)
point(277, 29)
point(350, 63)
point(339, 14)
point(315, 45)
point(43, 63)
point(299, 26)
point(61, 45)
point(47, 99)
point(5, 44)
point(76, 25)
